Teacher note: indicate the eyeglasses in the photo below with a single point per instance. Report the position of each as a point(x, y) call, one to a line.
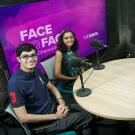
point(70, 37)
point(26, 57)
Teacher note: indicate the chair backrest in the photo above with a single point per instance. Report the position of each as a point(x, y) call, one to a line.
point(5, 107)
point(3, 100)
point(24, 126)
point(49, 65)
point(3, 86)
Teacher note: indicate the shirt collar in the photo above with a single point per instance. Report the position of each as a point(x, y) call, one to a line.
point(27, 74)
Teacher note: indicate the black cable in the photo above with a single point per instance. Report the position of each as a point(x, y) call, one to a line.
point(104, 53)
point(88, 77)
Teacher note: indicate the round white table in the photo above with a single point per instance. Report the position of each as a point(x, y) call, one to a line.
point(113, 90)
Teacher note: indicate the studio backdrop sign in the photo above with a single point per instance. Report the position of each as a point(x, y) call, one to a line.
point(41, 23)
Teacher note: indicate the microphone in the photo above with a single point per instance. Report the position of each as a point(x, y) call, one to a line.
point(98, 44)
point(78, 62)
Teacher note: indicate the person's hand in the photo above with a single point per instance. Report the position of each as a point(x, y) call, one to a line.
point(74, 78)
point(62, 111)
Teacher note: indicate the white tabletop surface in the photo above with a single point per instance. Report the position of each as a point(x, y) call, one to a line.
point(113, 90)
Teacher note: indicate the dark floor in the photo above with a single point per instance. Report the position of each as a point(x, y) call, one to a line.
point(9, 126)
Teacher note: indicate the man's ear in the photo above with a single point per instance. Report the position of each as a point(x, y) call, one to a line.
point(18, 59)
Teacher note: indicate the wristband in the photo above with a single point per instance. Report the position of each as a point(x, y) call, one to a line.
point(59, 98)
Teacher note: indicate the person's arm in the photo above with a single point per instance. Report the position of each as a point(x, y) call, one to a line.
point(17, 100)
point(62, 107)
point(58, 74)
point(25, 117)
point(56, 93)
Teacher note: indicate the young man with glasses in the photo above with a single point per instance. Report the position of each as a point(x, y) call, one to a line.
point(29, 90)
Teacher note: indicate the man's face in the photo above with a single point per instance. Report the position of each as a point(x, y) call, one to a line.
point(27, 60)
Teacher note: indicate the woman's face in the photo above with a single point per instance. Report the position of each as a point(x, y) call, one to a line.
point(68, 39)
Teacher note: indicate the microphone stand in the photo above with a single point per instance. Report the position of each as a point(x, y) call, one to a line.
point(98, 66)
point(83, 92)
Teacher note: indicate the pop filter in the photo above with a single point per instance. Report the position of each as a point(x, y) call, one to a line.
point(75, 63)
point(79, 62)
point(96, 43)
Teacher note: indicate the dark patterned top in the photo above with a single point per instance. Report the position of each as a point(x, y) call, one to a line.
point(67, 70)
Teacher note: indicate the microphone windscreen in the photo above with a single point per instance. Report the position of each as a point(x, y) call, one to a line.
point(96, 44)
point(76, 63)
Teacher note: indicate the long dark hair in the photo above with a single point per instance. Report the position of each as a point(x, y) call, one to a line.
point(62, 47)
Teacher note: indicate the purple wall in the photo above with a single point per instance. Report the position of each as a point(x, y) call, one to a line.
point(41, 23)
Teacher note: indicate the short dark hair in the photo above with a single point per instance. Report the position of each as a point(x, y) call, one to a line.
point(61, 46)
point(27, 47)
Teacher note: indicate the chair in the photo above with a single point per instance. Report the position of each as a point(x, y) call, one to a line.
point(6, 111)
point(5, 108)
point(24, 126)
point(49, 65)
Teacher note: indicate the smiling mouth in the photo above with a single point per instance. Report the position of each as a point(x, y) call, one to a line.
point(32, 62)
point(70, 43)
